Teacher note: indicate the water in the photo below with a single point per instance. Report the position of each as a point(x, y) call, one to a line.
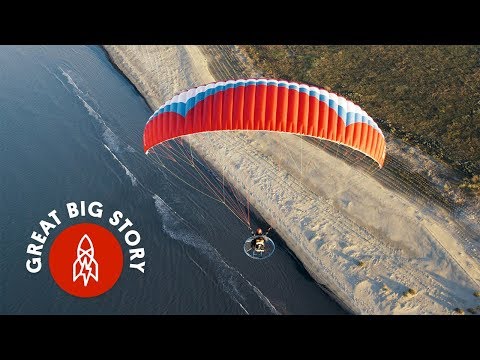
point(70, 130)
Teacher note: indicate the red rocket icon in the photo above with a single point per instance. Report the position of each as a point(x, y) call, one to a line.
point(85, 265)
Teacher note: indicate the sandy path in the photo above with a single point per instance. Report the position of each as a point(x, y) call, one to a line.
point(333, 216)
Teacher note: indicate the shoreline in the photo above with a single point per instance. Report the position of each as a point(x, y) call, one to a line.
point(324, 287)
point(403, 245)
point(117, 68)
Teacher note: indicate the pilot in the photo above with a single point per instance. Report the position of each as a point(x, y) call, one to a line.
point(258, 241)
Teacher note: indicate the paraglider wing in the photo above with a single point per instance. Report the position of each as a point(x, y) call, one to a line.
point(269, 105)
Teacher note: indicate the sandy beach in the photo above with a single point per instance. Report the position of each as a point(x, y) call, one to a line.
point(367, 243)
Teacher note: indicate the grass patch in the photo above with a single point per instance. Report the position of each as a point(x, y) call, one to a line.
point(427, 95)
point(386, 290)
point(459, 311)
point(410, 292)
point(476, 293)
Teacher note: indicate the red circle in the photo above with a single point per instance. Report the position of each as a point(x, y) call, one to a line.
point(85, 260)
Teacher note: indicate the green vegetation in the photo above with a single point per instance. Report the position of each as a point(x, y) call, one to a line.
point(361, 263)
point(476, 293)
point(472, 184)
point(410, 292)
point(426, 95)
